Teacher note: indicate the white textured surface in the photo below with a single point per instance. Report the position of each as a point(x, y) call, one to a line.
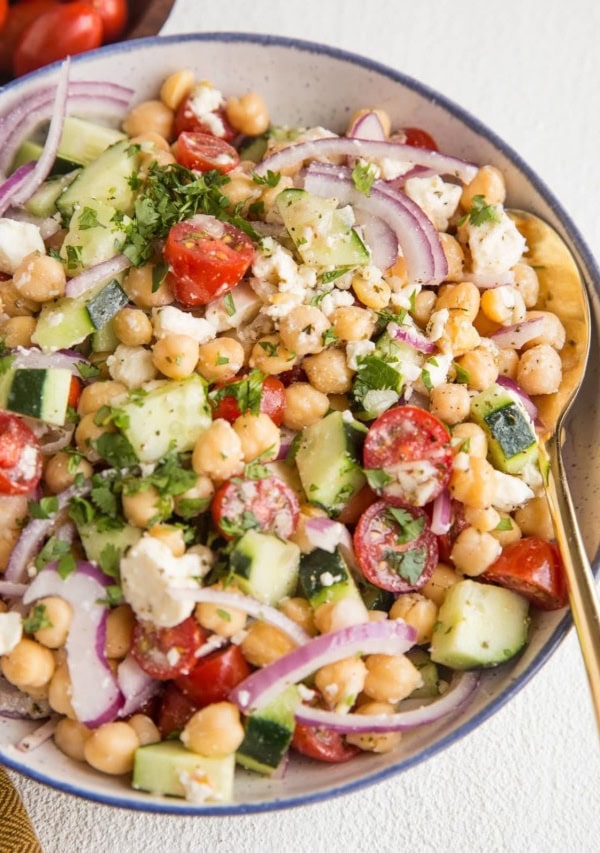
point(527, 781)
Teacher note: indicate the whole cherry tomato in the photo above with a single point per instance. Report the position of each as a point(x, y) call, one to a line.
point(18, 19)
point(214, 676)
point(165, 653)
point(533, 568)
point(203, 152)
point(322, 744)
point(20, 456)
point(114, 14)
point(58, 32)
point(267, 504)
point(207, 258)
point(229, 397)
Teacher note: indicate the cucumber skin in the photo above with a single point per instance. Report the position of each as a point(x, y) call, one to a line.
point(269, 733)
point(157, 768)
point(486, 410)
point(312, 568)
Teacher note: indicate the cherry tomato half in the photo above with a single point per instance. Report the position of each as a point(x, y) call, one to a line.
point(533, 568)
point(322, 744)
point(205, 266)
point(114, 14)
point(395, 547)
point(272, 399)
point(216, 124)
point(175, 710)
point(74, 392)
point(20, 456)
point(419, 138)
point(268, 504)
point(203, 152)
point(412, 450)
point(214, 676)
point(165, 653)
point(459, 523)
point(18, 19)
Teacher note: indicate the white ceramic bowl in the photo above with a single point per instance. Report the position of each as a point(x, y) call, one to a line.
point(309, 84)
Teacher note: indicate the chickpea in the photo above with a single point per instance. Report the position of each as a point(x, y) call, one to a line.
point(527, 283)
point(59, 614)
point(304, 405)
point(475, 486)
point(373, 294)
point(145, 729)
point(171, 536)
point(111, 748)
point(328, 371)
point(459, 335)
point(503, 305)
point(3, 606)
point(177, 87)
point(508, 530)
point(248, 115)
point(13, 303)
point(221, 359)
point(17, 331)
point(340, 683)
point(303, 328)
point(483, 520)
point(195, 500)
point(540, 370)
point(270, 355)
point(241, 187)
point(151, 141)
point(258, 435)
point(176, 356)
point(534, 519)
point(335, 615)
point(488, 182)
point(150, 116)
point(376, 741)
point(120, 622)
point(60, 691)
point(553, 332)
point(418, 611)
point(450, 402)
point(70, 737)
point(508, 362)
point(40, 278)
point(352, 323)
point(61, 470)
point(218, 452)
point(29, 664)
point(264, 644)
point(481, 364)
point(455, 257)
point(99, 394)
point(214, 730)
point(145, 507)
point(439, 583)
point(300, 612)
point(474, 439)
point(424, 307)
point(474, 551)
point(463, 297)
point(132, 327)
point(224, 621)
point(87, 432)
point(391, 678)
point(138, 285)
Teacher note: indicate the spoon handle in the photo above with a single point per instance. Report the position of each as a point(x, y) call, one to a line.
point(580, 581)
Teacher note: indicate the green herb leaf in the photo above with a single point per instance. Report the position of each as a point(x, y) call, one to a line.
point(66, 565)
point(504, 524)
point(463, 376)
point(52, 550)
point(363, 175)
point(247, 392)
point(115, 449)
point(377, 478)
point(481, 212)
point(88, 218)
point(426, 379)
point(110, 560)
point(225, 615)
point(408, 527)
point(44, 508)
point(6, 358)
point(238, 526)
point(159, 272)
point(271, 179)
point(408, 564)
point(229, 304)
point(87, 371)
point(37, 620)
point(329, 337)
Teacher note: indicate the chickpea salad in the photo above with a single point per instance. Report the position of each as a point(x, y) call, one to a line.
point(269, 473)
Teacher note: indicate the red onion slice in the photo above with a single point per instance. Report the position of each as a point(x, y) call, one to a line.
point(326, 534)
point(515, 336)
point(441, 516)
point(135, 685)
point(38, 737)
point(518, 392)
point(412, 336)
point(48, 226)
point(95, 693)
point(260, 688)
point(83, 282)
point(10, 187)
point(33, 357)
point(12, 590)
point(246, 603)
point(416, 172)
point(461, 687)
point(380, 238)
point(48, 156)
point(367, 126)
point(369, 150)
point(488, 281)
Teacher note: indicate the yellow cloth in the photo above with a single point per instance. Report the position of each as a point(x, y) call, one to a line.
point(16, 831)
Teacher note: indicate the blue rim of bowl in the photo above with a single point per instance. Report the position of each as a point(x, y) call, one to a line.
point(593, 275)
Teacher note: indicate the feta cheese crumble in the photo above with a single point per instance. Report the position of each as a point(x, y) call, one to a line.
point(131, 365)
point(496, 245)
point(17, 240)
point(437, 198)
point(11, 631)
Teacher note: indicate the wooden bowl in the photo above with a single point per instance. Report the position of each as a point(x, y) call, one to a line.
point(146, 18)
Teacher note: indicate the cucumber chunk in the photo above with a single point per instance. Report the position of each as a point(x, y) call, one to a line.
point(170, 417)
point(325, 577)
point(94, 541)
point(429, 673)
point(479, 625)
point(512, 441)
point(81, 142)
point(319, 230)
point(265, 567)
point(162, 768)
point(43, 201)
point(92, 238)
point(269, 734)
point(41, 393)
point(328, 461)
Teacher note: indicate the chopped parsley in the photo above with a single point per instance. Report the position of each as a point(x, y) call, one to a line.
point(480, 212)
point(271, 179)
point(462, 376)
point(37, 620)
point(329, 337)
point(377, 478)
point(229, 304)
point(247, 392)
point(504, 524)
point(331, 275)
point(115, 449)
point(73, 256)
point(44, 508)
point(87, 370)
point(109, 560)
point(88, 218)
point(159, 272)
point(408, 564)
point(6, 358)
point(225, 615)
point(408, 528)
point(246, 520)
point(363, 175)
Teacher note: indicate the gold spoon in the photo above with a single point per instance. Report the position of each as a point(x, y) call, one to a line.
point(562, 291)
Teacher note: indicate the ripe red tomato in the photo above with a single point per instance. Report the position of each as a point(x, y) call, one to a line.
point(3, 12)
point(395, 547)
point(207, 258)
point(322, 744)
point(411, 448)
point(203, 152)
point(174, 712)
point(459, 523)
point(114, 14)
point(216, 125)
point(58, 32)
point(533, 568)
point(165, 653)
point(74, 392)
point(272, 399)
point(357, 505)
point(214, 676)
point(419, 138)
point(19, 17)
point(267, 504)
point(20, 456)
